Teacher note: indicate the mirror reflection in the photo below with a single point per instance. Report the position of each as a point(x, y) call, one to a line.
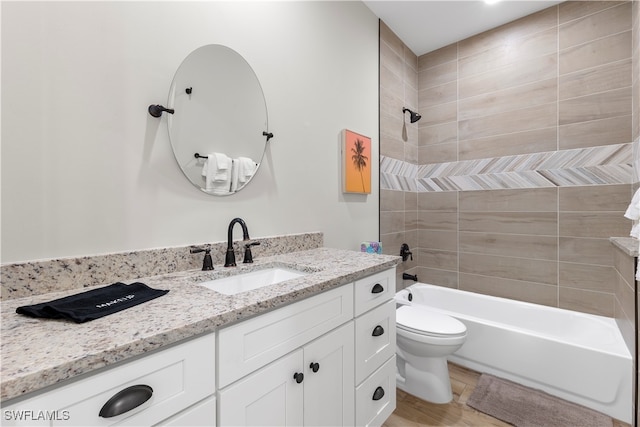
point(220, 116)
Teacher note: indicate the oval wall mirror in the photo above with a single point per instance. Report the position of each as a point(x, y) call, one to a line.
point(216, 131)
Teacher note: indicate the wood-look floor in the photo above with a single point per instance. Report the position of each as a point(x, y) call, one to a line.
point(413, 412)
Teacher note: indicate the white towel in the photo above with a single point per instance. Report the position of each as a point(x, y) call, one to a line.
point(246, 169)
point(218, 187)
point(633, 211)
point(217, 173)
point(223, 164)
point(217, 167)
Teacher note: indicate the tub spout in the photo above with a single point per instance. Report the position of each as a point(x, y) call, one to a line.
point(407, 276)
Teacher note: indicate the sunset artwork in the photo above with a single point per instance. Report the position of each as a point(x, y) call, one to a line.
point(356, 157)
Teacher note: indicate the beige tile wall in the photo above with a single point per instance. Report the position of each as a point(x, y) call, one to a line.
point(508, 244)
point(398, 89)
point(588, 216)
point(555, 80)
point(399, 140)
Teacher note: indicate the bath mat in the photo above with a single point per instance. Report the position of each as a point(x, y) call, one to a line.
point(525, 407)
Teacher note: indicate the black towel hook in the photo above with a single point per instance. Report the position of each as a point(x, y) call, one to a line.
point(156, 110)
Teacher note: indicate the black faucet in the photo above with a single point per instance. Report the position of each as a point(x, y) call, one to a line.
point(230, 258)
point(405, 252)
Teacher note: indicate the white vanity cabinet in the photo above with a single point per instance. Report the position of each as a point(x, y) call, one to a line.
point(177, 382)
point(266, 364)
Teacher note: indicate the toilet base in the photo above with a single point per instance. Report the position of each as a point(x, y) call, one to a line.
point(430, 382)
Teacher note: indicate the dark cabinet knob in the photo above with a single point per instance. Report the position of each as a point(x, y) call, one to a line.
point(315, 366)
point(126, 400)
point(377, 288)
point(377, 331)
point(378, 394)
point(298, 376)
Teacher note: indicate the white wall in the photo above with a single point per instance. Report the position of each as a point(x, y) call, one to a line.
point(86, 170)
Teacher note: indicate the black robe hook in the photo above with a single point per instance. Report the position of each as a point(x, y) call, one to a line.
point(157, 110)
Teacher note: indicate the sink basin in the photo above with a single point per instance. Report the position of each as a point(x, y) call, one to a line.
point(252, 280)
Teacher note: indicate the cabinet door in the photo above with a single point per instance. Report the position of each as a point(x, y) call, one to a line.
point(329, 391)
point(268, 397)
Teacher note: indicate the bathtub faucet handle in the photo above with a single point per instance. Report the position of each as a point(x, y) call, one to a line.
point(405, 252)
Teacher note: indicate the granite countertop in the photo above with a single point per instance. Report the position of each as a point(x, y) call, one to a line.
point(628, 245)
point(37, 353)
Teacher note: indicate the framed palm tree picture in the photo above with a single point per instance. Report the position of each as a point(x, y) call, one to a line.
point(356, 162)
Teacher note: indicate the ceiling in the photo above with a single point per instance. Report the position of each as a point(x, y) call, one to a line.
point(428, 25)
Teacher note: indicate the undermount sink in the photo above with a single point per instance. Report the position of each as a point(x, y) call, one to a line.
point(244, 282)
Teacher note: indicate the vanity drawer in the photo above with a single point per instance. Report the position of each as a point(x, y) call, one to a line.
point(376, 397)
point(178, 376)
point(201, 414)
point(374, 290)
point(375, 339)
point(253, 343)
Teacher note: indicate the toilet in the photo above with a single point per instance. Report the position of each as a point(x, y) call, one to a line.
point(424, 340)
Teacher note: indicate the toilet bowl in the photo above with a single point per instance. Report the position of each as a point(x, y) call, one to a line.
point(424, 340)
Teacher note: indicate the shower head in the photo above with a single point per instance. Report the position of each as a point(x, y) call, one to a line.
point(413, 117)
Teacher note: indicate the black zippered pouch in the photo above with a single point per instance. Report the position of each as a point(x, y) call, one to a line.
point(93, 304)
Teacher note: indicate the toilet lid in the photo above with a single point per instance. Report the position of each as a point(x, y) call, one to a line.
point(427, 322)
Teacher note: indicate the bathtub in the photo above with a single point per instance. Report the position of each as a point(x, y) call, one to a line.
point(575, 356)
